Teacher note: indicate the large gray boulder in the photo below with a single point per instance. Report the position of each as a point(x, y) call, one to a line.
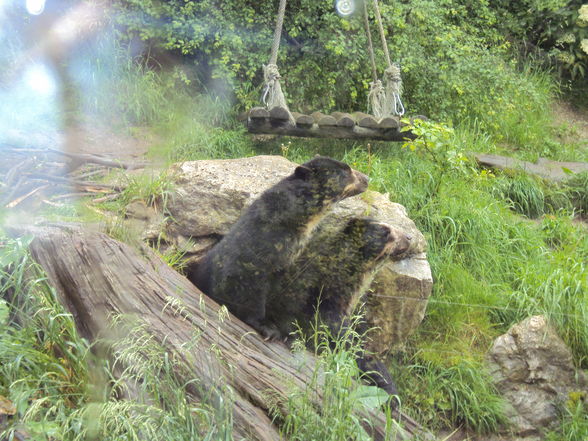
point(209, 196)
point(534, 371)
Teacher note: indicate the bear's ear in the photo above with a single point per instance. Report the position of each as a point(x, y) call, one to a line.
point(302, 172)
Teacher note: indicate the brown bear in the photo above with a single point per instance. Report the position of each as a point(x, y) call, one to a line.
point(332, 274)
point(247, 264)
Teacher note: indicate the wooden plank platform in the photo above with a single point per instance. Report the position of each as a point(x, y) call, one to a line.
point(319, 125)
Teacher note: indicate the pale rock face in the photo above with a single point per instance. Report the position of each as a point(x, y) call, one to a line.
point(210, 195)
point(534, 370)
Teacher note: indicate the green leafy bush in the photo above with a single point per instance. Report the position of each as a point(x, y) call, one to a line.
point(452, 55)
point(558, 27)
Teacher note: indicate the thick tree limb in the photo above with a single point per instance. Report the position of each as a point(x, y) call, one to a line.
point(97, 278)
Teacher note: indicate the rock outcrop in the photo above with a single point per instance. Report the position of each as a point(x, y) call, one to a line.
point(210, 195)
point(534, 370)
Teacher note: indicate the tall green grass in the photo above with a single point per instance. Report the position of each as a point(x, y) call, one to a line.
point(129, 387)
point(61, 390)
point(574, 427)
point(334, 387)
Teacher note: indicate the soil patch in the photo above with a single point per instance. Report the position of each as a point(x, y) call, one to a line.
point(577, 119)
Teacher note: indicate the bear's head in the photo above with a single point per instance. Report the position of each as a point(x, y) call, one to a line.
point(330, 180)
point(376, 240)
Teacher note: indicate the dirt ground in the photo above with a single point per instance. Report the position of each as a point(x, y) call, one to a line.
point(567, 115)
point(100, 140)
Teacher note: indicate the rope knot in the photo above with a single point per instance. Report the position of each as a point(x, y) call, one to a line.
point(392, 73)
point(393, 90)
point(271, 73)
point(377, 99)
point(272, 92)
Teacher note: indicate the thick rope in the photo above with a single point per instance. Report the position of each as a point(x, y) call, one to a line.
point(393, 91)
point(370, 44)
point(278, 32)
point(392, 103)
point(377, 93)
point(382, 36)
point(377, 99)
point(273, 96)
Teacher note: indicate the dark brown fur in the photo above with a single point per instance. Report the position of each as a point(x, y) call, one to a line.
point(333, 273)
point(246, 265)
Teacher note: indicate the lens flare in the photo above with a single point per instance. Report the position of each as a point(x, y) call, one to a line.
point(345, 8)
point(39, 79)
point(35, 7)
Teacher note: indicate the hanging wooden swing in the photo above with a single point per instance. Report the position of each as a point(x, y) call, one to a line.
point(383, 100)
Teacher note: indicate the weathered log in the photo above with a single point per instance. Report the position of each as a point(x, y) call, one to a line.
point(97, 278)
point(389, 122)
point(279, 114)
point(365, 120)
point(259, 113)
point(339, 125)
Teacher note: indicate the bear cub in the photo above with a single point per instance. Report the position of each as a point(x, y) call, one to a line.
point(246, 265)
point(332, 274)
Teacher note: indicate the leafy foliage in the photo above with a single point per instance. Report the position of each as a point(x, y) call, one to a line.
point(558, 27)
point(451, 53)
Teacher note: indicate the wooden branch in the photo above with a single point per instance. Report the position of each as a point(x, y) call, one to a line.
point(106, 198)
point(82, 157)
point(94, 159)
point(97, 277)
point(100, 171)
point(90, 186)
point(52, 204)
point(18, 200)
point(73, 195)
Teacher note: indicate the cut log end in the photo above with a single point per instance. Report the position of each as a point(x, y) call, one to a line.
point(258, 113)
point(303, 120)
point(323, 120)
point(279, 114)
point(389, 122)
point(344, 119)
point(365, 120)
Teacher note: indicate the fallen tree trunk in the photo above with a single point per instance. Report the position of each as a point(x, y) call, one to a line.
point(98, 278)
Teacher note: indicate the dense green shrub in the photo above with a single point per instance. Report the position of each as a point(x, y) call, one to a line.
point(451, 53)
point(557, 27)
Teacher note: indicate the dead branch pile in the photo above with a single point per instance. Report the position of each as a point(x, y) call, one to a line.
point(33, 177)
